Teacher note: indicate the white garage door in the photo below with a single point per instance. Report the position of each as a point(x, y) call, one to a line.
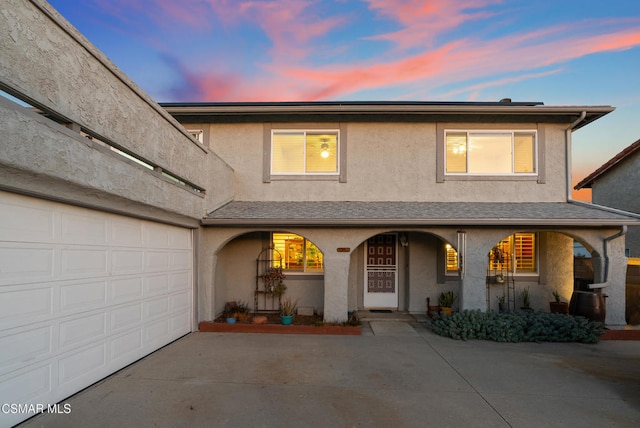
point(83, 293)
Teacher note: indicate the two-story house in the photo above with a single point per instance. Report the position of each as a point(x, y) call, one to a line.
point(120, 230)
point(379, 205)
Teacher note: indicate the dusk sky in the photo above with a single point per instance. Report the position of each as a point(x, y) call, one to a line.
point(560, 52)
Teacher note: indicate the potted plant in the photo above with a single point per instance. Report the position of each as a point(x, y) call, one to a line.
point(558, 306)
point(445, 300)
point(240, 311)
point(432, 308)
point(287, 311)
point(526, 302)
point(502, 305)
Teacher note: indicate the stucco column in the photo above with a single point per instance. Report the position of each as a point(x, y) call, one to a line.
point(206, 287)
point(336, 280)
point(473, 288)
point(617, 276)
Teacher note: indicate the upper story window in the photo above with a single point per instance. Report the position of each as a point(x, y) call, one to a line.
point(490, 152)
point(305, 152)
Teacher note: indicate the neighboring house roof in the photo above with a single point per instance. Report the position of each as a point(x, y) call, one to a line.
point(587, 182)
point(382, 111)
point(352, 213)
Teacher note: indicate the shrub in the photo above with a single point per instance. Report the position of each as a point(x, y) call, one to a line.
point(517, 327)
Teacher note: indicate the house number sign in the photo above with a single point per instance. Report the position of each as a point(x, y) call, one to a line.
point(343, 249)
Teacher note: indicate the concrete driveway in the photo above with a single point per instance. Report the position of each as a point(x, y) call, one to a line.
point(391, 376)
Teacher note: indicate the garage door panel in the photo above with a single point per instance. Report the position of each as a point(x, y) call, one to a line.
point(82, 366)
point(83, 262)
point(179, 240)
point(179, 323)
point(156, 284)
point(126, 233)
point(24, 223)
point(127, 261)
point(83, 296)
point(81, 330)
point(155, 308)
point(127, 346)
point(180, 281)
point(21, 264)
point(156, 261)
point(125, 289)
point(19, 307)
point(154, 333)
point(84, 293)
point(27, 347)
point(125, 317)
point(180, 260)
point(84, 228)
point(28, 386)
point(155, 236)
point(179, 301)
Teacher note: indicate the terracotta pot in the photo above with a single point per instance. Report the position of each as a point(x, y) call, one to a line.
point(446, 311)
point(559, 308)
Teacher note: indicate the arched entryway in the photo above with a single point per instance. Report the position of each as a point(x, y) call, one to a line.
point(400, 269)
point(236, 273)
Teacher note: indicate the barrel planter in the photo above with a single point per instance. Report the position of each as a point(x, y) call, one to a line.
point(589, 305)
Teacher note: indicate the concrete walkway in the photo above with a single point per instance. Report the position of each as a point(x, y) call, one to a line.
point(389, 376)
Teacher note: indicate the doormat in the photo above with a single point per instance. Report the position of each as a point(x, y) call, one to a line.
point(381, 311)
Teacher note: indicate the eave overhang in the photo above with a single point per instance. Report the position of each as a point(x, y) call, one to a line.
point(414, 214)
point(510, 112)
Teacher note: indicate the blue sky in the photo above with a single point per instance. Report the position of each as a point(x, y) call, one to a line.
point(560, 52)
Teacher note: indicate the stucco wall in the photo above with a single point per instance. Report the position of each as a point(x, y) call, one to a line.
point(43, 158)
point(80, 85)
point(620, 188)
point(388, 162)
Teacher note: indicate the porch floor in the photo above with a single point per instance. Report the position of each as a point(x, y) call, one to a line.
point(394, 323)
point(400, 316)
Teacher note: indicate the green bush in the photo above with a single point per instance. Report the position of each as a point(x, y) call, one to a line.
point(517, 327)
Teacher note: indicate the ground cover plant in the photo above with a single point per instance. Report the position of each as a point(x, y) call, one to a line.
point(517, 327)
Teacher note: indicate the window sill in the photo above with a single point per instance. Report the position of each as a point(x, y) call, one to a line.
point(490, 177)
point(297, 276)
point(305, 178)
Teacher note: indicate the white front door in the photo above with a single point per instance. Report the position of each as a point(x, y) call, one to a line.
point(381, 272)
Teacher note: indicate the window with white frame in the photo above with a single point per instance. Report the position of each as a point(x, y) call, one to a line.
point(519, 248)
point(490, 152)
point(305, 152)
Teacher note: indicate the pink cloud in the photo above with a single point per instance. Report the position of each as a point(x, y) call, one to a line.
point(454, 62)
point(294, 27)
point(423, 21)
point(451, 63)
